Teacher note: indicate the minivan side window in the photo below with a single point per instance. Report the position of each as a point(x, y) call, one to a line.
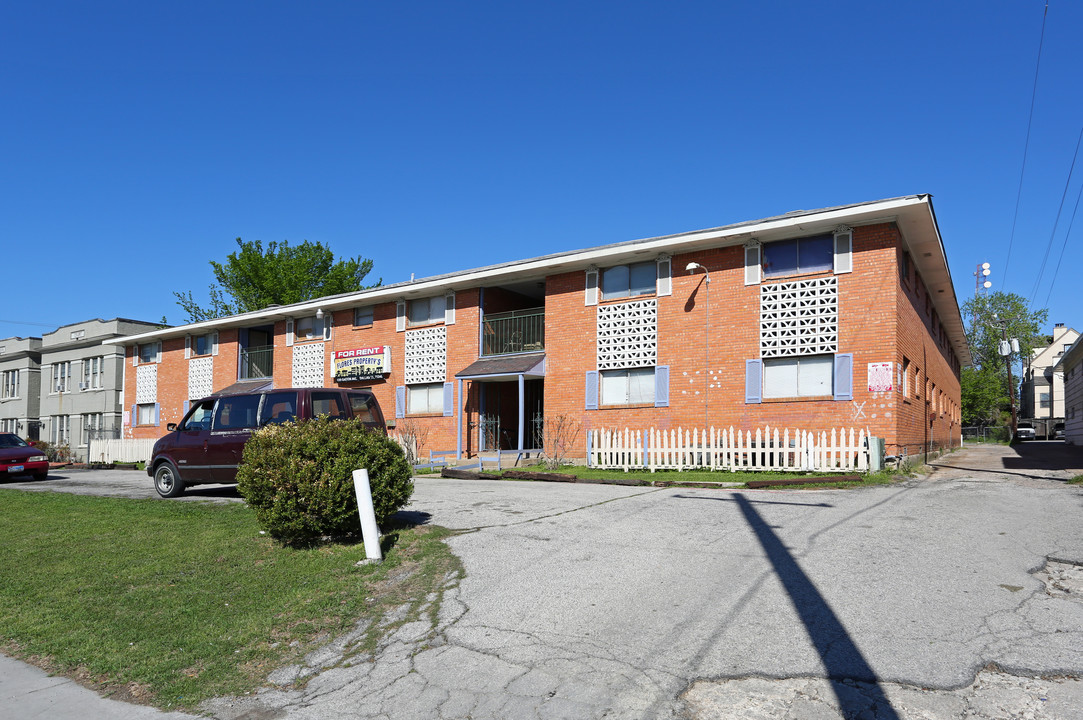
point(328, 403)
point(362, 403)
point(236, 412)
point(278, 408)
point(200, 417)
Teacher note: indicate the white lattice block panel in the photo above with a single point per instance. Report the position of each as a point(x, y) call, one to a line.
point(426, 355)
point(308, 365)
point(628, 335)
point(200, 377)
point(799, 318)
point(146, 384)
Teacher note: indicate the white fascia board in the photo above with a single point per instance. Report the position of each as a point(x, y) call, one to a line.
point(776, 228)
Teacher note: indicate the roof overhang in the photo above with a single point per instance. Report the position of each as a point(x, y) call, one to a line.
point(505, 367)
point(913, 214)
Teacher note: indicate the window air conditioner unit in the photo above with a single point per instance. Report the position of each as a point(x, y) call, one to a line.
point(83, 385)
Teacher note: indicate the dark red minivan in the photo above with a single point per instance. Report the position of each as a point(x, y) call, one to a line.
point(207, 444)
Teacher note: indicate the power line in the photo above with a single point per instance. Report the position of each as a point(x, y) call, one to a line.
point(1064, 244)
point(28, 322)
point(1060, 209)
point(1026, 145)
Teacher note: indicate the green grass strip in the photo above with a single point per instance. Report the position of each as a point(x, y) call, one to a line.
point(174, 602)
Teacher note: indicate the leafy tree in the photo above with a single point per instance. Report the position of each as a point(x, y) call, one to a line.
point(984, 396)
point(280, 274)
point(984, 387)
point(995, 312)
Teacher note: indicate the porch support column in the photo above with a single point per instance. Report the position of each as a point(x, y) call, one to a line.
point(522, 408)
point(459, 424)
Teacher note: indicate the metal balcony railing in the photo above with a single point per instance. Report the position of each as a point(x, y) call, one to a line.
point(517, 331)
point(257, 362)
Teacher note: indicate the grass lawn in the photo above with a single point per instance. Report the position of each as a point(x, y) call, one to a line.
point(170, 603)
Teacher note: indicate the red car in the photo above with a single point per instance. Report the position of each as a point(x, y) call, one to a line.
point(18, 457)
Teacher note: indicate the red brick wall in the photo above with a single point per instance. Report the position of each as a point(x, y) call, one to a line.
point(881, 319)
point(927, 419)
point(710, 363)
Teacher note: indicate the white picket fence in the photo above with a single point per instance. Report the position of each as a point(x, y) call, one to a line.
point(120, 450)
point(766, 449)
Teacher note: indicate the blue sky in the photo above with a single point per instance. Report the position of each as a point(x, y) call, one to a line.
point(138, 139)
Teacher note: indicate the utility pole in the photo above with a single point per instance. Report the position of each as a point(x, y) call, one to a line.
point(1006, 349)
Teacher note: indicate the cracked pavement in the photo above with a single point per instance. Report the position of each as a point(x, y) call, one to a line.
point(927, 599)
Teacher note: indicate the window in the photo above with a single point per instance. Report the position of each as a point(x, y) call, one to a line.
point(905, 378)
point(328, 403)
point(203, 344)
point(624, 281)
point(61, 377)
point(92, 426)
point(427, 399)
point(809, 376)
point(362, 316)
point(633, 386)
point(236, 412)
point(92, 373)
point(199, 417)
point(427, 310)
point(904, 267)
point(362, 404)
point(9, 384)
point(148, 353)
point(311, 328)
point(278, 408)
point(1043, 400)
point(11, 425)
point(146, 414)
point(61, 430)
point(800, 255)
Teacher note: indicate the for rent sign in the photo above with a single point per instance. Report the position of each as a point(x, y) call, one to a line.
point(362, 363)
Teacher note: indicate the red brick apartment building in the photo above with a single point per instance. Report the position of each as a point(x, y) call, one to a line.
point(840, 317)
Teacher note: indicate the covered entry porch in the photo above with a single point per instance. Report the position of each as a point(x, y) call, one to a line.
point(504, 411)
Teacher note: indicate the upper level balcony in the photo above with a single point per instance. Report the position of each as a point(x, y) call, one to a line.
point(518, 331)
point(256, 362)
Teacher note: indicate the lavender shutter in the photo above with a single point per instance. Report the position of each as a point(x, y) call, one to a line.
point(753, 381)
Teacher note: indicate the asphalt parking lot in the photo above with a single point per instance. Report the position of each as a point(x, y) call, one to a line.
point(957, 594)
point(135, 484)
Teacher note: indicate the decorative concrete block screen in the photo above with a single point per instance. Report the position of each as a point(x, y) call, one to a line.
point(799, 317)
point(146, 384)
point(426, 355)
point(628, 335)
point(308, 365)
point(200, 377)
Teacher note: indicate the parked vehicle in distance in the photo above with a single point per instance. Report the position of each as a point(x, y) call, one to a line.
point(19, 457)
point(1058, 431)
point(1024, 431)
point(208, 443)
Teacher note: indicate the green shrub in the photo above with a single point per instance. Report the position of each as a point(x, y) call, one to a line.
point(298, 477)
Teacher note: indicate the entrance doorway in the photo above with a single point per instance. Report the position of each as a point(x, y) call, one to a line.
point(498, 422)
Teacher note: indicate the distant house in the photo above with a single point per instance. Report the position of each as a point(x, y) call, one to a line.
point(20, 380)
point(82, 381)
point(1070, 367)
point(1042, 390)
point(816, 319)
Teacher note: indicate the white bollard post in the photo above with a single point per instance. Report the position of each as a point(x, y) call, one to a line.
point(369, 532)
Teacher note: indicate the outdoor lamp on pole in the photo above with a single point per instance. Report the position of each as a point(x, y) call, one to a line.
point(691, 268)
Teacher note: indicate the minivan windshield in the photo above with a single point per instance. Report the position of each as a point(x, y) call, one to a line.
point(200, 416)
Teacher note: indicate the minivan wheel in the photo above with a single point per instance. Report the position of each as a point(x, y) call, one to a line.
point(167, 482)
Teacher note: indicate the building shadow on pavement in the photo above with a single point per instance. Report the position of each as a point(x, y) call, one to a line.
point(841, 657)
point(1050, 455)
